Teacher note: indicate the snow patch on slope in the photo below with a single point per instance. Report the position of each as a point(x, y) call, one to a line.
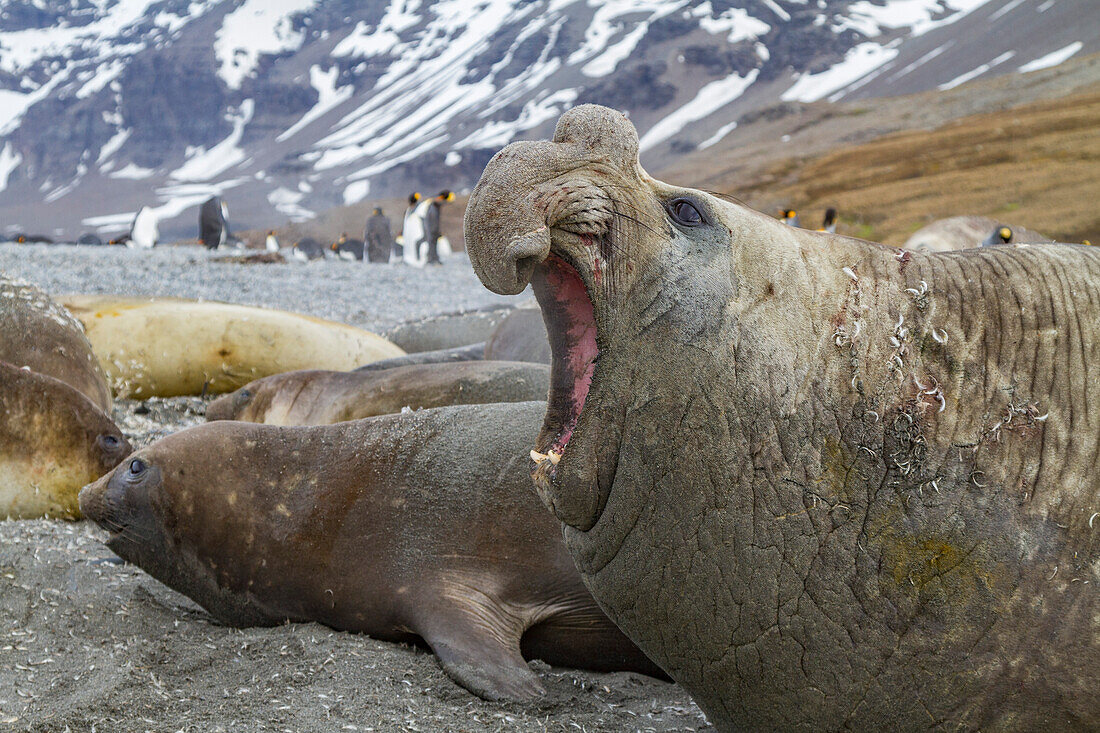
point(858, 62)
point(202, 164)
point(9, 161)
point(328, 97)
point(19, 50)
point(917, 15)
point(287, 202)
point(133, 172)
point(736, 23)
point(1053, 58)
point(422, 91)
point(256, 28)
point(710, 99)
point(975, 73)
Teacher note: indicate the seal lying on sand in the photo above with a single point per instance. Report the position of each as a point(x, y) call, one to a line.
point(53, 440)
point(35, 332)
point(965, 232)
point(324, 397)
point(164, 347)
point(824, 483)
point(403, 526)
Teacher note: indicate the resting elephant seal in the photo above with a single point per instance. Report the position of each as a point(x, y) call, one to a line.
point(965, 232)
point(53, 440)
point(404, 527)
point(473, 352)
point(520, 337)
point(35, 332)
point(323, 397)
point(822, 482)
point(448, 330)
point(164, 347)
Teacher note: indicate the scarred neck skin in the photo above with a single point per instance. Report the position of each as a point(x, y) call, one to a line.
point(732, 331)
point(864, 445)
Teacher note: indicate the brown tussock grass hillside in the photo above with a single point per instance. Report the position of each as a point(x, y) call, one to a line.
point(1037, 165)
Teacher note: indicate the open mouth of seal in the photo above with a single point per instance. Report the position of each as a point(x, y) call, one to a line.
point(571, 327)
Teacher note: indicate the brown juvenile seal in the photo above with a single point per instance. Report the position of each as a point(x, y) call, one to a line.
point(824, 483)
point(317, 397)
point(53, 440)
point(35, 332)
point(402, 527)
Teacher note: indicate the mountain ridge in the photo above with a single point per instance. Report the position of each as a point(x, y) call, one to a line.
point(291, 107)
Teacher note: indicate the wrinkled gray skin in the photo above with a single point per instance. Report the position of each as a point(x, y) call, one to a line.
point(520, 337)
point(36, 332)
point(473, 352)
point(825, 484)
point(448, 330)
point(404, 527)
point(320, 397)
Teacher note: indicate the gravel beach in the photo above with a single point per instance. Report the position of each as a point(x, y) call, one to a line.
point(374, 297)
point(90, 644)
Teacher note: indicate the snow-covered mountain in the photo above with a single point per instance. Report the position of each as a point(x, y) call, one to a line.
point(289, 107)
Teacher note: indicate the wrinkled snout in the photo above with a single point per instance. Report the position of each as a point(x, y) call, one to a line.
point(506, 226)
point(529, 189)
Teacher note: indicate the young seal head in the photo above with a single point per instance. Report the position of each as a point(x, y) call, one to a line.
point(824, 483)
point(53, 441)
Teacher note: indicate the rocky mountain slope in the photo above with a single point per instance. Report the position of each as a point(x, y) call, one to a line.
point(291, 107)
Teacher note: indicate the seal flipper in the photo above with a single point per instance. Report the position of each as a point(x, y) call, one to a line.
point(478, 647)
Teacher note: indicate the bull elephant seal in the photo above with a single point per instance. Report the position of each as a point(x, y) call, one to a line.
point(35, 332)
point(822, 482)
point(964, 232)
point(520, 337)
point(165, 347)
point(315, 397)
point(402, 527)
point(53, 440)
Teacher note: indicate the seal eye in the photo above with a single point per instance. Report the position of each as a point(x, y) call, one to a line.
point(109, 442)
point(137, 466)
point(685, 213)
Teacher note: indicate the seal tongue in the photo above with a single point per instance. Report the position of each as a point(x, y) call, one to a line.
point(571, 327)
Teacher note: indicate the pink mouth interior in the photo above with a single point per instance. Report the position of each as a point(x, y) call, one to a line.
point(571, 326)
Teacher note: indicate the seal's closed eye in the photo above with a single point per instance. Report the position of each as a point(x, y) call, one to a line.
point(109, 442)
point(685, 213)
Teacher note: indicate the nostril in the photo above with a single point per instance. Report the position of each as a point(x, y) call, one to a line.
point(535, 243)
point(521, 254)
point(525, 267)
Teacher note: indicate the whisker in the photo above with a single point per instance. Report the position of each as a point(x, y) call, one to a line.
point(727, 196)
